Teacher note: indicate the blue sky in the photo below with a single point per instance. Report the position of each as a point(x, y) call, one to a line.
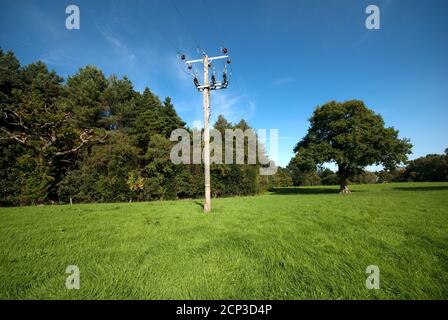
point(288, 56)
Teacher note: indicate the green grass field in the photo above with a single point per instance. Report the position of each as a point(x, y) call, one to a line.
point(295, 243)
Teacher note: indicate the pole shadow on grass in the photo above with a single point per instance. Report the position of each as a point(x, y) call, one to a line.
point(298, 190)
point(199, 203)
point(422, 188)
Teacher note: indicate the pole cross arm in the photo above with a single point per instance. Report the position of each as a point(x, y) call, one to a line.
point(216, 86)
point(209, 59)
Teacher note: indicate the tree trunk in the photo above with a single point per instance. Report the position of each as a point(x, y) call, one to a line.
point(344, 187)
point(343, 174)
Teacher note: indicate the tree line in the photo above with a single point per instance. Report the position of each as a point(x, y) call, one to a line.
point(94, 138)
point(429, 168)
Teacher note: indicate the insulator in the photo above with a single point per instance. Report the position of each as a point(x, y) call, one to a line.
point(228, 61)
point(196, 82)
point(190, 67)
point(183, 57)
point(224, 50)
point(213, 79)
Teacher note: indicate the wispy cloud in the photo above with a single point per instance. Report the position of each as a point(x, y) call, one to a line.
point(179, 71)
point(53, 58)
point(119, 46)
point(48, 26)
point(232, 107)
point(283, 80)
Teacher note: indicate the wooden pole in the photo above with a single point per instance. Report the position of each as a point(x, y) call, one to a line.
point(206, 92)
point(205, 88)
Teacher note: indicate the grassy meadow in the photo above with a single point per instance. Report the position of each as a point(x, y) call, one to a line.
point(294, 243)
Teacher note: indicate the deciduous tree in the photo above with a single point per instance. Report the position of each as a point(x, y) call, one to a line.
point(352, 136)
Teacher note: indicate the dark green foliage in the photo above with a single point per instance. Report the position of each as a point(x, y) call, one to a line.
point(103, 174)
point(9, 77)
point(94, 138)
point(281, 179)
point(394, 175)
point(303, 174)
point(35, 116)
point(328, 177)
point(365, 177)
point(432, 167)
point(234, 179)
point(352, 136)
point(85, 90)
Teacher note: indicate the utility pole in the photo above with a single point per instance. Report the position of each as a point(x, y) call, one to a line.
point(206, 94)
point(205, 88)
